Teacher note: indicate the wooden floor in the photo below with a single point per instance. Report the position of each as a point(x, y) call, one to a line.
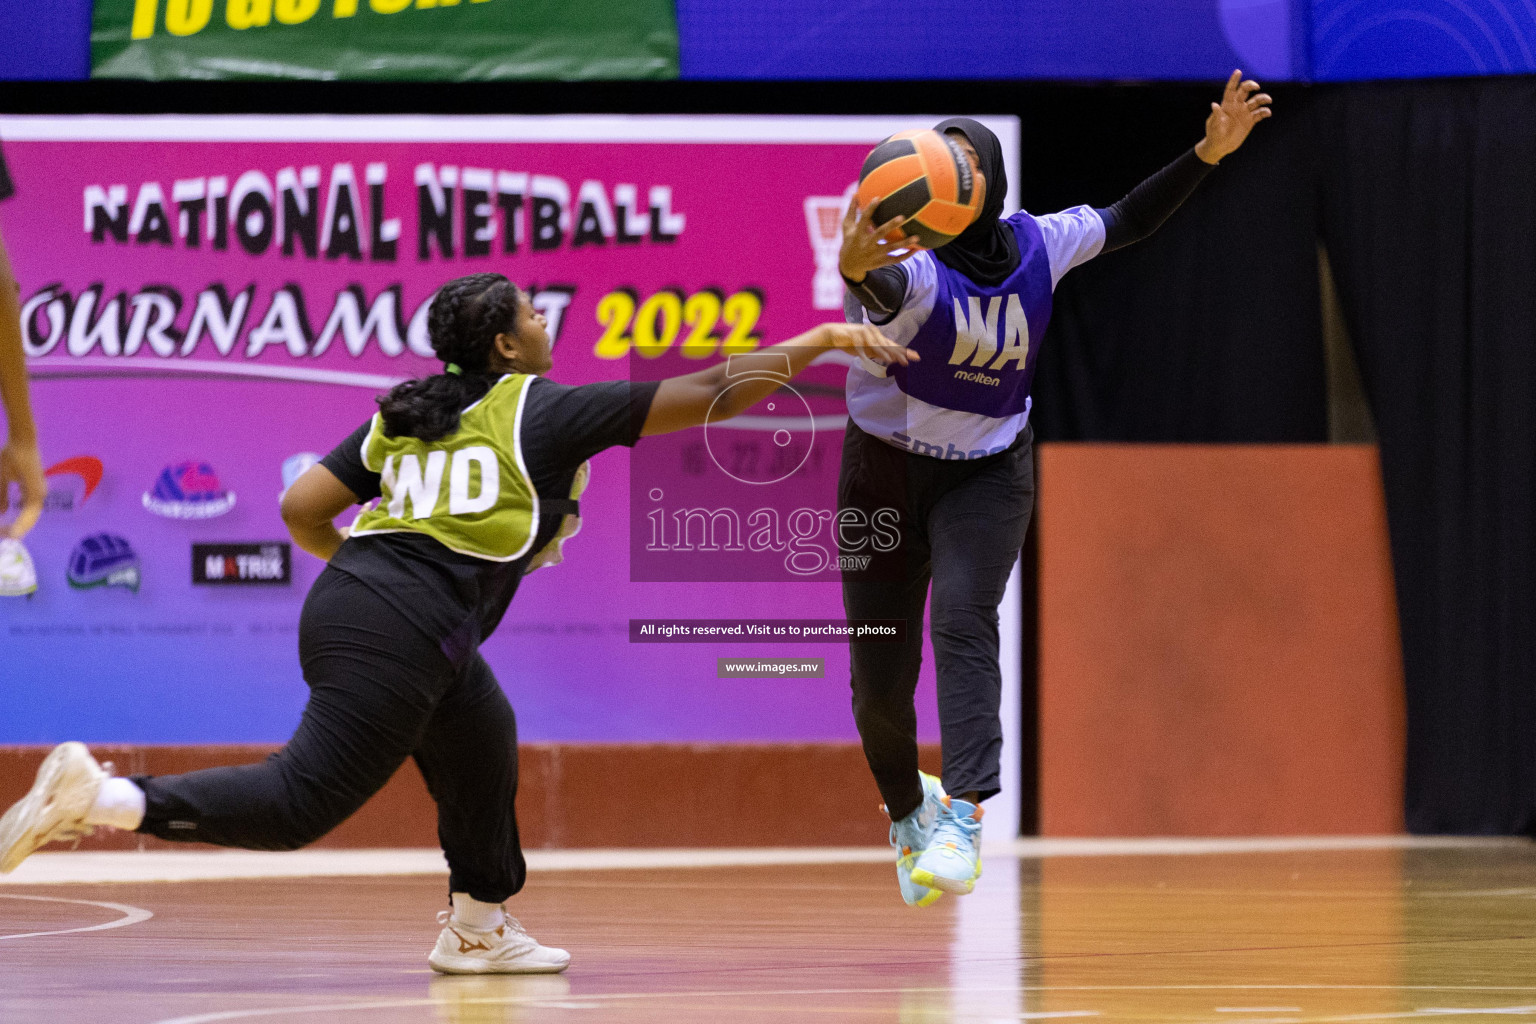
point(1359, 935)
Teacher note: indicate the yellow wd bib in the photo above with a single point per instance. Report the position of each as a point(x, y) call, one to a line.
point(470, 490)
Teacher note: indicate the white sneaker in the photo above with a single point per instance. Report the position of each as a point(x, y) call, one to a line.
point(505, 950)
point(55, 808)
point(18, 576)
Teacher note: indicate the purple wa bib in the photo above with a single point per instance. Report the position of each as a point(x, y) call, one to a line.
point(979, 345)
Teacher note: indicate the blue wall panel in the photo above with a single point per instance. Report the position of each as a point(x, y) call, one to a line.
point(45, 39)
point(1325, 40)
point(1094, 39)
point(1362, 39)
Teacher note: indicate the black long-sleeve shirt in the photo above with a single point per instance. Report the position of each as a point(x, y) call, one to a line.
point(1133, 218)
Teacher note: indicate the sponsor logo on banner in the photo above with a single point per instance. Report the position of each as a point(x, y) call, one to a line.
point(188, 490)
point(295, 466)
point(104, 560)
point(78, 479)
point(444, 40)
point(259, 563)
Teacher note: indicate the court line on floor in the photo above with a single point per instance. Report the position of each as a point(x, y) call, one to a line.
point(188, 866)
point(131, 915)
point(1047, 958)
point(614, 997)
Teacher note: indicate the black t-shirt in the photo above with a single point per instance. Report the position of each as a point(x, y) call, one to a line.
point(6, 188)
point(457, 599)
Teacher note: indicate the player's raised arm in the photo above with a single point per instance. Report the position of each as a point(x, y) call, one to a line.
point(726, 389)
point(1152, 202)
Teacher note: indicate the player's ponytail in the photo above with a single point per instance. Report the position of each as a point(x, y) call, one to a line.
point(462, 325)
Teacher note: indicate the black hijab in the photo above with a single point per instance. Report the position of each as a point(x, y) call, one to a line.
point(987, 251)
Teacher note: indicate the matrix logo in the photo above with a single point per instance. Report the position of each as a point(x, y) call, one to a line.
point(262, 563)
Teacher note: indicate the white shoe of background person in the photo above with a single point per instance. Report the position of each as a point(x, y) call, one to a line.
point(54, 810)
point(505, 949)
point(18, 576)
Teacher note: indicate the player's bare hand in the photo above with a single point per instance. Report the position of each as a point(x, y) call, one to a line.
point(864, 340)
point(1242, 106)
point(21, 464)
point(865, 247)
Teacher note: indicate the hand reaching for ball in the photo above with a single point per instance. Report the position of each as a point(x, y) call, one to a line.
point(1242, 106)
point(865, 245)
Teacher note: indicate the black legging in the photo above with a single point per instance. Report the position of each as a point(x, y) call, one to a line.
point(380, 691)
point(962, 525)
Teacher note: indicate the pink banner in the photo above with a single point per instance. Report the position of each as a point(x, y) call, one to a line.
point(207, 298)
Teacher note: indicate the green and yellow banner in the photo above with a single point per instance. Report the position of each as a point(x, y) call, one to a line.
point(419, 40)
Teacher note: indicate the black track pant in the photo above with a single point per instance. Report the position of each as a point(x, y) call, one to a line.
point(379, 691)
point(962, 526)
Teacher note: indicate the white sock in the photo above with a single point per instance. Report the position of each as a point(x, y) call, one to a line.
point(471, 913)
point(119, 804)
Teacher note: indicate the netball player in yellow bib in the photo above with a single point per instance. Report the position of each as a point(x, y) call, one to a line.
point(476, 471)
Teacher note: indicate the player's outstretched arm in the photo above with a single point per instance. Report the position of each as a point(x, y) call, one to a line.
point(1152, 202)
point(731, 388)
point(19, 460)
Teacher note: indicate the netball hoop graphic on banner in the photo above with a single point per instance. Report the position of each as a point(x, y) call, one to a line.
point(824, 222)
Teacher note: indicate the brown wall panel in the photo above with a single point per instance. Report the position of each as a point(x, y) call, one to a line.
point(1218, 642)
point(581, 795)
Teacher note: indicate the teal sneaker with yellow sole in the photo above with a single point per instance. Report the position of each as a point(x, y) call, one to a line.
point(910, 837)
point(951, 862)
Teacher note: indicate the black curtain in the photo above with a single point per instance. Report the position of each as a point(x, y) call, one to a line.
point(1424, 194)
point(1430, 220)
point(1210, 330)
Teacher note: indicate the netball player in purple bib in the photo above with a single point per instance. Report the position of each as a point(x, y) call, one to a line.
point(946, 441)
